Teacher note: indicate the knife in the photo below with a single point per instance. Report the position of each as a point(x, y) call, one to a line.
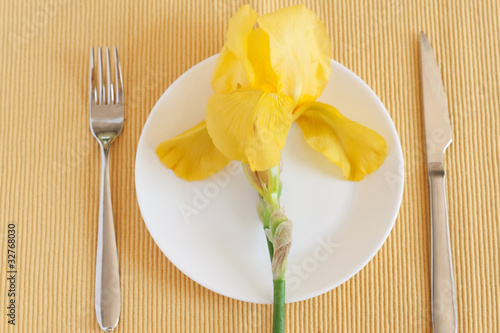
point(438, 137)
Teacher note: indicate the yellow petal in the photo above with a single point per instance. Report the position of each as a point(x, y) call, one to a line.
point(232, 64)
point(250, 126)
point(262, 76)
point(192, 154)
point(357, 149)
point(229, 73)
point(300, 51)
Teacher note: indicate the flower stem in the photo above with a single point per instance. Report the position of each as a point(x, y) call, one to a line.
point(270, 246)
point(279, 306)
point(278, 230)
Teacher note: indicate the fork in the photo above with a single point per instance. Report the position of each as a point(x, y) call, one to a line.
point(106, 123)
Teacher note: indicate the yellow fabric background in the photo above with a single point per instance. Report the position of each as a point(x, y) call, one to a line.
point(49, 171)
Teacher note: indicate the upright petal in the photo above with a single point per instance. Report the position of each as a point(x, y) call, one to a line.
point(357, 149)
point(229, 73)
point(192, 154)
point(232, 65)
point(250, 126)
point(300, 51)
point(262, 76)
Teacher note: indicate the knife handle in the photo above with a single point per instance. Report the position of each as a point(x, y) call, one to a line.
point(444, 310)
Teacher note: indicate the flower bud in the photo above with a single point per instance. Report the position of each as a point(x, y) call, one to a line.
point(267, 183)
point(277, 217)
point(263, 210)
point(281, 242)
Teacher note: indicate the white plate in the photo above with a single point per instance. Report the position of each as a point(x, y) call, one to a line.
point(210, 230)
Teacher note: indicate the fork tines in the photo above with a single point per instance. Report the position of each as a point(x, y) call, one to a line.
point(100, 94)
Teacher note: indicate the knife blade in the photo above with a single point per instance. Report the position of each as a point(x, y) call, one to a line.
point(438, 138)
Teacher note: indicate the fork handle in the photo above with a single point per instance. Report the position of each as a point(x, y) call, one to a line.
point(107, 277)
point(444, 311)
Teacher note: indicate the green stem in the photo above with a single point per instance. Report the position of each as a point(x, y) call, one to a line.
point(279, 306)
point(270, 246)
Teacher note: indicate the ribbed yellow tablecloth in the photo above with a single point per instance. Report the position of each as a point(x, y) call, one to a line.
point(49, 171)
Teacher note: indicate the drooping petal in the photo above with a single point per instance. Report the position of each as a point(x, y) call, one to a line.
point(250, 126)
point(192, 154)
point(262, 76)
point(300, 51)
point(232, 65)
point(357, 149)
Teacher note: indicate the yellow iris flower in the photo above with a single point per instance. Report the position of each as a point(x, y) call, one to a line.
point(265, 79)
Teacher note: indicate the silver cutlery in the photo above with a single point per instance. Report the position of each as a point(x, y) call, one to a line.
point(106, 123)
point(438, 137)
